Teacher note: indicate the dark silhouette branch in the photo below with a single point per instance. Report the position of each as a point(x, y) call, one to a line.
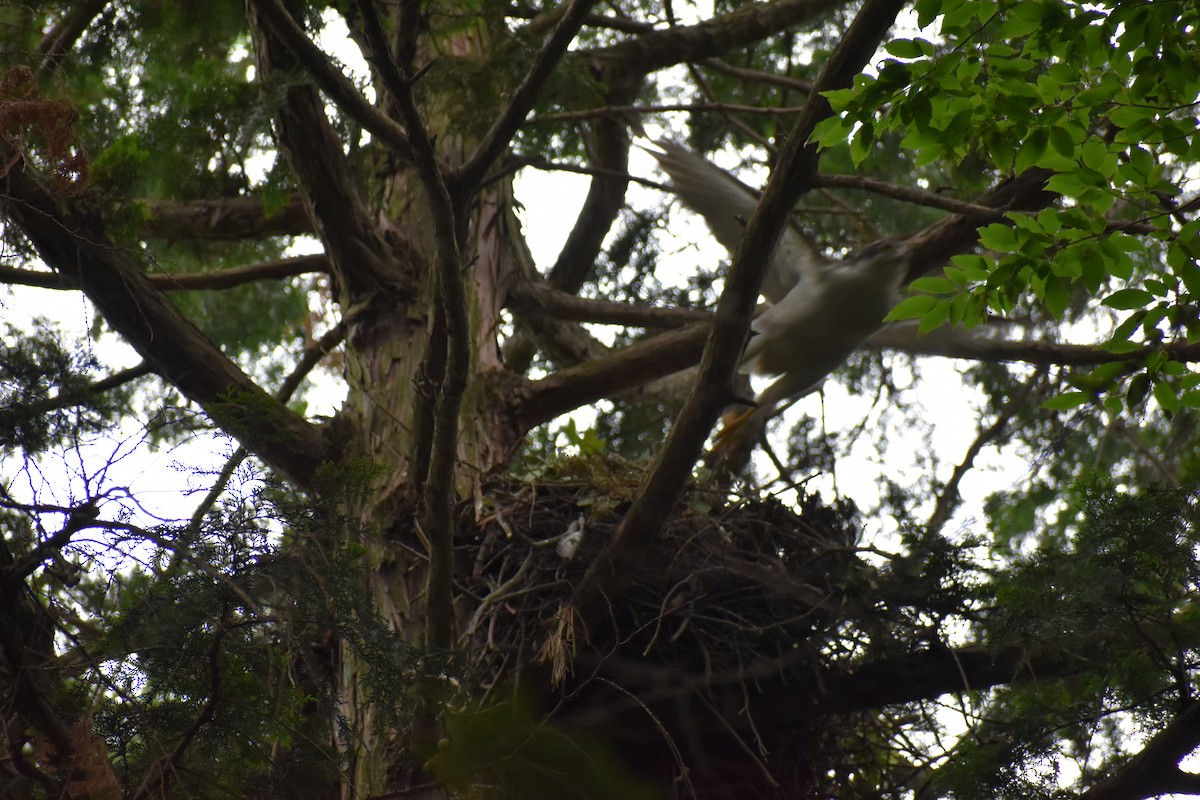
point(956, 343)
point(79, 396)
point(753, 75)
point(542, 21)
point(625, 111)
point(934, 245)
point(312, 356)
point(609, 154)
point(1155, 770)
point(530, 297)
point(543, 400)
point(239, 276)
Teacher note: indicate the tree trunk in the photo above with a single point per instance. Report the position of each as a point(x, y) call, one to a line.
point(385, 266)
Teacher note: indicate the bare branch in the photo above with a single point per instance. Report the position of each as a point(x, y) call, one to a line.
point(165, 282)
point(544, 20)
point(312, 356)
point(795, 84)
point(543, 400)
point(956, 343)
point(239, 276)
point(40, 279)
point(624, 111)
point(358, 252)
point(910, 195)
point(609, 153)
point(468, 177)
point(528, 297)
point(66, 399)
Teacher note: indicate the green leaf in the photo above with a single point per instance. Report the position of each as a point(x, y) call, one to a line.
point(999, 237)
point(932, 284)
point(904, 48)
point(1164, 393)
point(1128, 299)
point(1056, 296)
point(1139, 387)
point(1189, 273)
point(840, 99)
point(934, 318)
point(1066, 401)
point(1061, 142)
point(860, 145)
point(912, 307)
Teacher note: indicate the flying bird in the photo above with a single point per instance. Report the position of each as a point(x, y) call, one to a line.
point(726, 203)
point(822, 310)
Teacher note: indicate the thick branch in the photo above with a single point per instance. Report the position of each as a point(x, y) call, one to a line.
point(934, 245)
point(798, 163)
point(356, 247)
point(568, 389)
point(655, 50)
point(221, 219)
point(331, 80)
point(524, 96)
point(1155, 771)
point(918, 676)
point(76, 245)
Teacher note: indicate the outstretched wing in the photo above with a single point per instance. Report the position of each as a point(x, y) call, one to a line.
point(726, 203)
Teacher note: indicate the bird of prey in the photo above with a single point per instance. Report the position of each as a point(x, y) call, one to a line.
point(821, 311)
